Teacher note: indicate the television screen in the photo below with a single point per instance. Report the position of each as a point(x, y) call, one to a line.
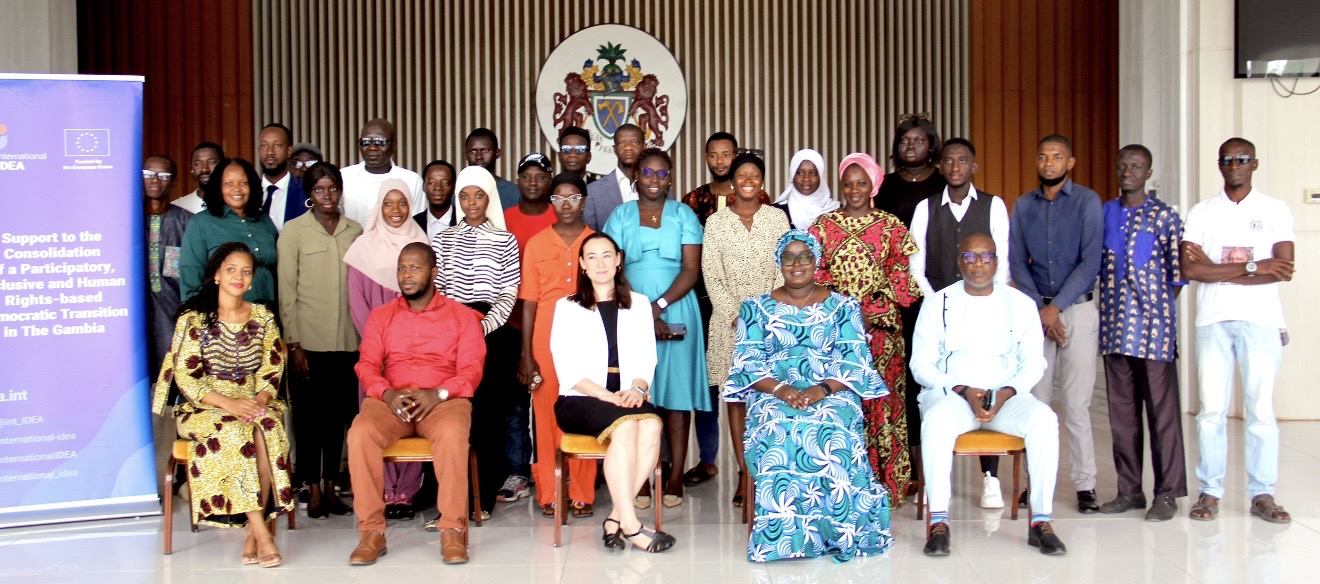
point(1278, 38)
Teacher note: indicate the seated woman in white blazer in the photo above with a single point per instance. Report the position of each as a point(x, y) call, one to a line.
point(603, 344)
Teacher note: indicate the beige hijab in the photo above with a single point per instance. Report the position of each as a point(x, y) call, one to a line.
point(376, 252)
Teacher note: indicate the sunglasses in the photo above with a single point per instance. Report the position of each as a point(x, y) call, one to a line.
point(804, 258)
point(157, 175)
point(561, 199)
point(971, 257)
point(306, 164)
point(1241, 159)
point(377, 142)
point(574, 149)
point(661, 174)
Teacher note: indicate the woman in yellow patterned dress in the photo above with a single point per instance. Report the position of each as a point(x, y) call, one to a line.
point(227, 358)
point(866, 257)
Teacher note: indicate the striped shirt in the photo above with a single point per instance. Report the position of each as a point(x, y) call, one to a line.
point(478, 264)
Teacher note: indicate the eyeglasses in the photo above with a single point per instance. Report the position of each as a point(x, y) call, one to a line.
point(574, 149)
point(377, 142)
point(971, 257)
point(1241, 159)
point(306, 164)
point(805, 257)
point(561, 199)
point(661, 174)
point(157, 175)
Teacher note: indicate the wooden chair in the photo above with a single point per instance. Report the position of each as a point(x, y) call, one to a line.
point(573, 446)
point(181, 455)
point(982, 443)
point(418, 449)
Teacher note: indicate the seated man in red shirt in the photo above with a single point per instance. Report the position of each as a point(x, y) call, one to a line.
point(421, 360)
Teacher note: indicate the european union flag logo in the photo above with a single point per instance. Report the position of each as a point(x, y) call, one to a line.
point(86, 142)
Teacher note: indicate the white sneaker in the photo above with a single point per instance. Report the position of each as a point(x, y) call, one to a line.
point(991, 498)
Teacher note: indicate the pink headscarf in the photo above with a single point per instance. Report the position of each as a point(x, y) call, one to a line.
point(868, 164)
point(376, 252)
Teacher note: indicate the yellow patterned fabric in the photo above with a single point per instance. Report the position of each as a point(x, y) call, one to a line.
point(238, 361)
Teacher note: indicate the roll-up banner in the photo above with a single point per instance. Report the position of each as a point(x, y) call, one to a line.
point(75, 435)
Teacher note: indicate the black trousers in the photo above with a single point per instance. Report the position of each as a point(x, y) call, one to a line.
point(1131, 384)
point(491, 405)
point(322, 405)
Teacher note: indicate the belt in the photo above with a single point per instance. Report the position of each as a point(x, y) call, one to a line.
point(1089, 296)
point(612, 370)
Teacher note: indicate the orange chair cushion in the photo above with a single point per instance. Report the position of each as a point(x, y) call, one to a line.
point(181, 449)
point(414, 447)
point(987, 440)
point(581, 444)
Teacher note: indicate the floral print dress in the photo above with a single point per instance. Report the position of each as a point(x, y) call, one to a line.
point(236, 360)
point(867, 258)
point(816, 494)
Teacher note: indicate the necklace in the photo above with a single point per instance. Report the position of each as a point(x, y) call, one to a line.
point(910, 176)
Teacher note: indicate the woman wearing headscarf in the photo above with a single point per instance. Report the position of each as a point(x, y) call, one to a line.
point(866, 257)
point(737, 262)
point(807, 196)
point(373, 262)
point(477, 265)
point(802, 365)
point(313, 292)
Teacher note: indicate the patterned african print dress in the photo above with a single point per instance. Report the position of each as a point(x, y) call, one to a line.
point(816, 494)
point(867, 258)
point(239, 361)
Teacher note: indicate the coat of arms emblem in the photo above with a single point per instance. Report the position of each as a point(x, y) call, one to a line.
point(613, 94)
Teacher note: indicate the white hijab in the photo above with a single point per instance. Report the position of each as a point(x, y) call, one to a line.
point(482, 178)
point(804, 209)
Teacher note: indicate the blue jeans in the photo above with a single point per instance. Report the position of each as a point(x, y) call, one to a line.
point(708, 430)
point(1256, 350)
point(518, 449)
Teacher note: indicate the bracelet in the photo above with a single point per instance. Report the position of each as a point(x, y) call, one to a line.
point(775, 391)
point(828, 390)
point(645, 393)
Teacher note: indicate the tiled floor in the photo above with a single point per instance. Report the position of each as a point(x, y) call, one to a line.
point(516, 546)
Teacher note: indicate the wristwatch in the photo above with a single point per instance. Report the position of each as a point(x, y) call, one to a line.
point(1251, 268)
point(662, 303)
point(444, 394)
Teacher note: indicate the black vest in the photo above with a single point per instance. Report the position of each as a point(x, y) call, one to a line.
point(943, 233)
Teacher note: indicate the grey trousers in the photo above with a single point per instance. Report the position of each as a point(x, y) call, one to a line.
point(1072, 368)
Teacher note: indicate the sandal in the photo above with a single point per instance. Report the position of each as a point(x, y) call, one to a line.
point(480, 516)
point(1263, 506)
point(660, 541)
point(642, 502)
point(581, 509)
point(1206, 508)
point(612, 539)
point(270, 560)
point(698, 475)
point(249, 555)
point(548, 510)
point(738, 496)
point(671, 501)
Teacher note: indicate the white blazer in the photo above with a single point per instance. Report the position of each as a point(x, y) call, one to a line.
point(581, 351)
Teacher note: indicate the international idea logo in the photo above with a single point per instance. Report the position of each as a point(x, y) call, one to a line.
point(4, 136)
point(608, 75)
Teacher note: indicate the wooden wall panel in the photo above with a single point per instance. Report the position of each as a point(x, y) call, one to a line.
point(197, 60)
point(779, 74)
point(1041, 67)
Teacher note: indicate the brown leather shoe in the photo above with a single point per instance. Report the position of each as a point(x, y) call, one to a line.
point(452, 547)
point(370, 546)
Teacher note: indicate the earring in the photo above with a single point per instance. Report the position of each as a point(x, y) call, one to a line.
point(217, 282)
point(308, 203)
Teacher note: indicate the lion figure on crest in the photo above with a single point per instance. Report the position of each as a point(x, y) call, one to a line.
point(569, 106)
point(653, 116)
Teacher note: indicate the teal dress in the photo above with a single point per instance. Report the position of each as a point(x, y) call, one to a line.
point(652, 260)
point(816, 494)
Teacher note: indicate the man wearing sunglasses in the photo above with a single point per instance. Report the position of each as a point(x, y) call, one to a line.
point(977, 351)
point(376, 144)
point(575, 153)
point(1055, 234)
point(1239, 324)
point(165, 226)
point(938, 224)
point(303, 157)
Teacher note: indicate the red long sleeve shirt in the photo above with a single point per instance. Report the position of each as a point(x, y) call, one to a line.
point(440, 346)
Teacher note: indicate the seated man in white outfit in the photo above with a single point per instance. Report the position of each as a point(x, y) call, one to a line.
point(975, 344)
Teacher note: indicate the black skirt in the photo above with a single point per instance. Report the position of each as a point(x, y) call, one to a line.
point(579, 414)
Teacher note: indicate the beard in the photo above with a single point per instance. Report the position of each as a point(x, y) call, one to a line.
point(421, 292)
point(715, 177)
point(271, 171)
point(1054, 182)
point(987, 285)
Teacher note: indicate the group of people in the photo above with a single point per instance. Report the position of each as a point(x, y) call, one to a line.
point(851, 337)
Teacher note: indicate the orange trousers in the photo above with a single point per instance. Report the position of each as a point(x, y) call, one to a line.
point(447, 426)
point(581, 473)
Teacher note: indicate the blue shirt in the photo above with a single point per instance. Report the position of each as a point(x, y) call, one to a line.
point(1140, 269)
point(1055, 245)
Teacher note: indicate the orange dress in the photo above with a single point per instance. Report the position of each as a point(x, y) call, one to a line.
point(550, 272)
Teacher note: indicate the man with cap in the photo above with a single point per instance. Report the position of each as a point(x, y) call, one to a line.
point(303, 157)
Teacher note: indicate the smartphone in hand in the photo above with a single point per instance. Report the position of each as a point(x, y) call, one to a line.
point(678, 330)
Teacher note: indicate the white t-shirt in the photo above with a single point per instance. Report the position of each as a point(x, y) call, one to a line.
point(191, 202)
point(362, 189)
point(279, 200)
point(1235, 233)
